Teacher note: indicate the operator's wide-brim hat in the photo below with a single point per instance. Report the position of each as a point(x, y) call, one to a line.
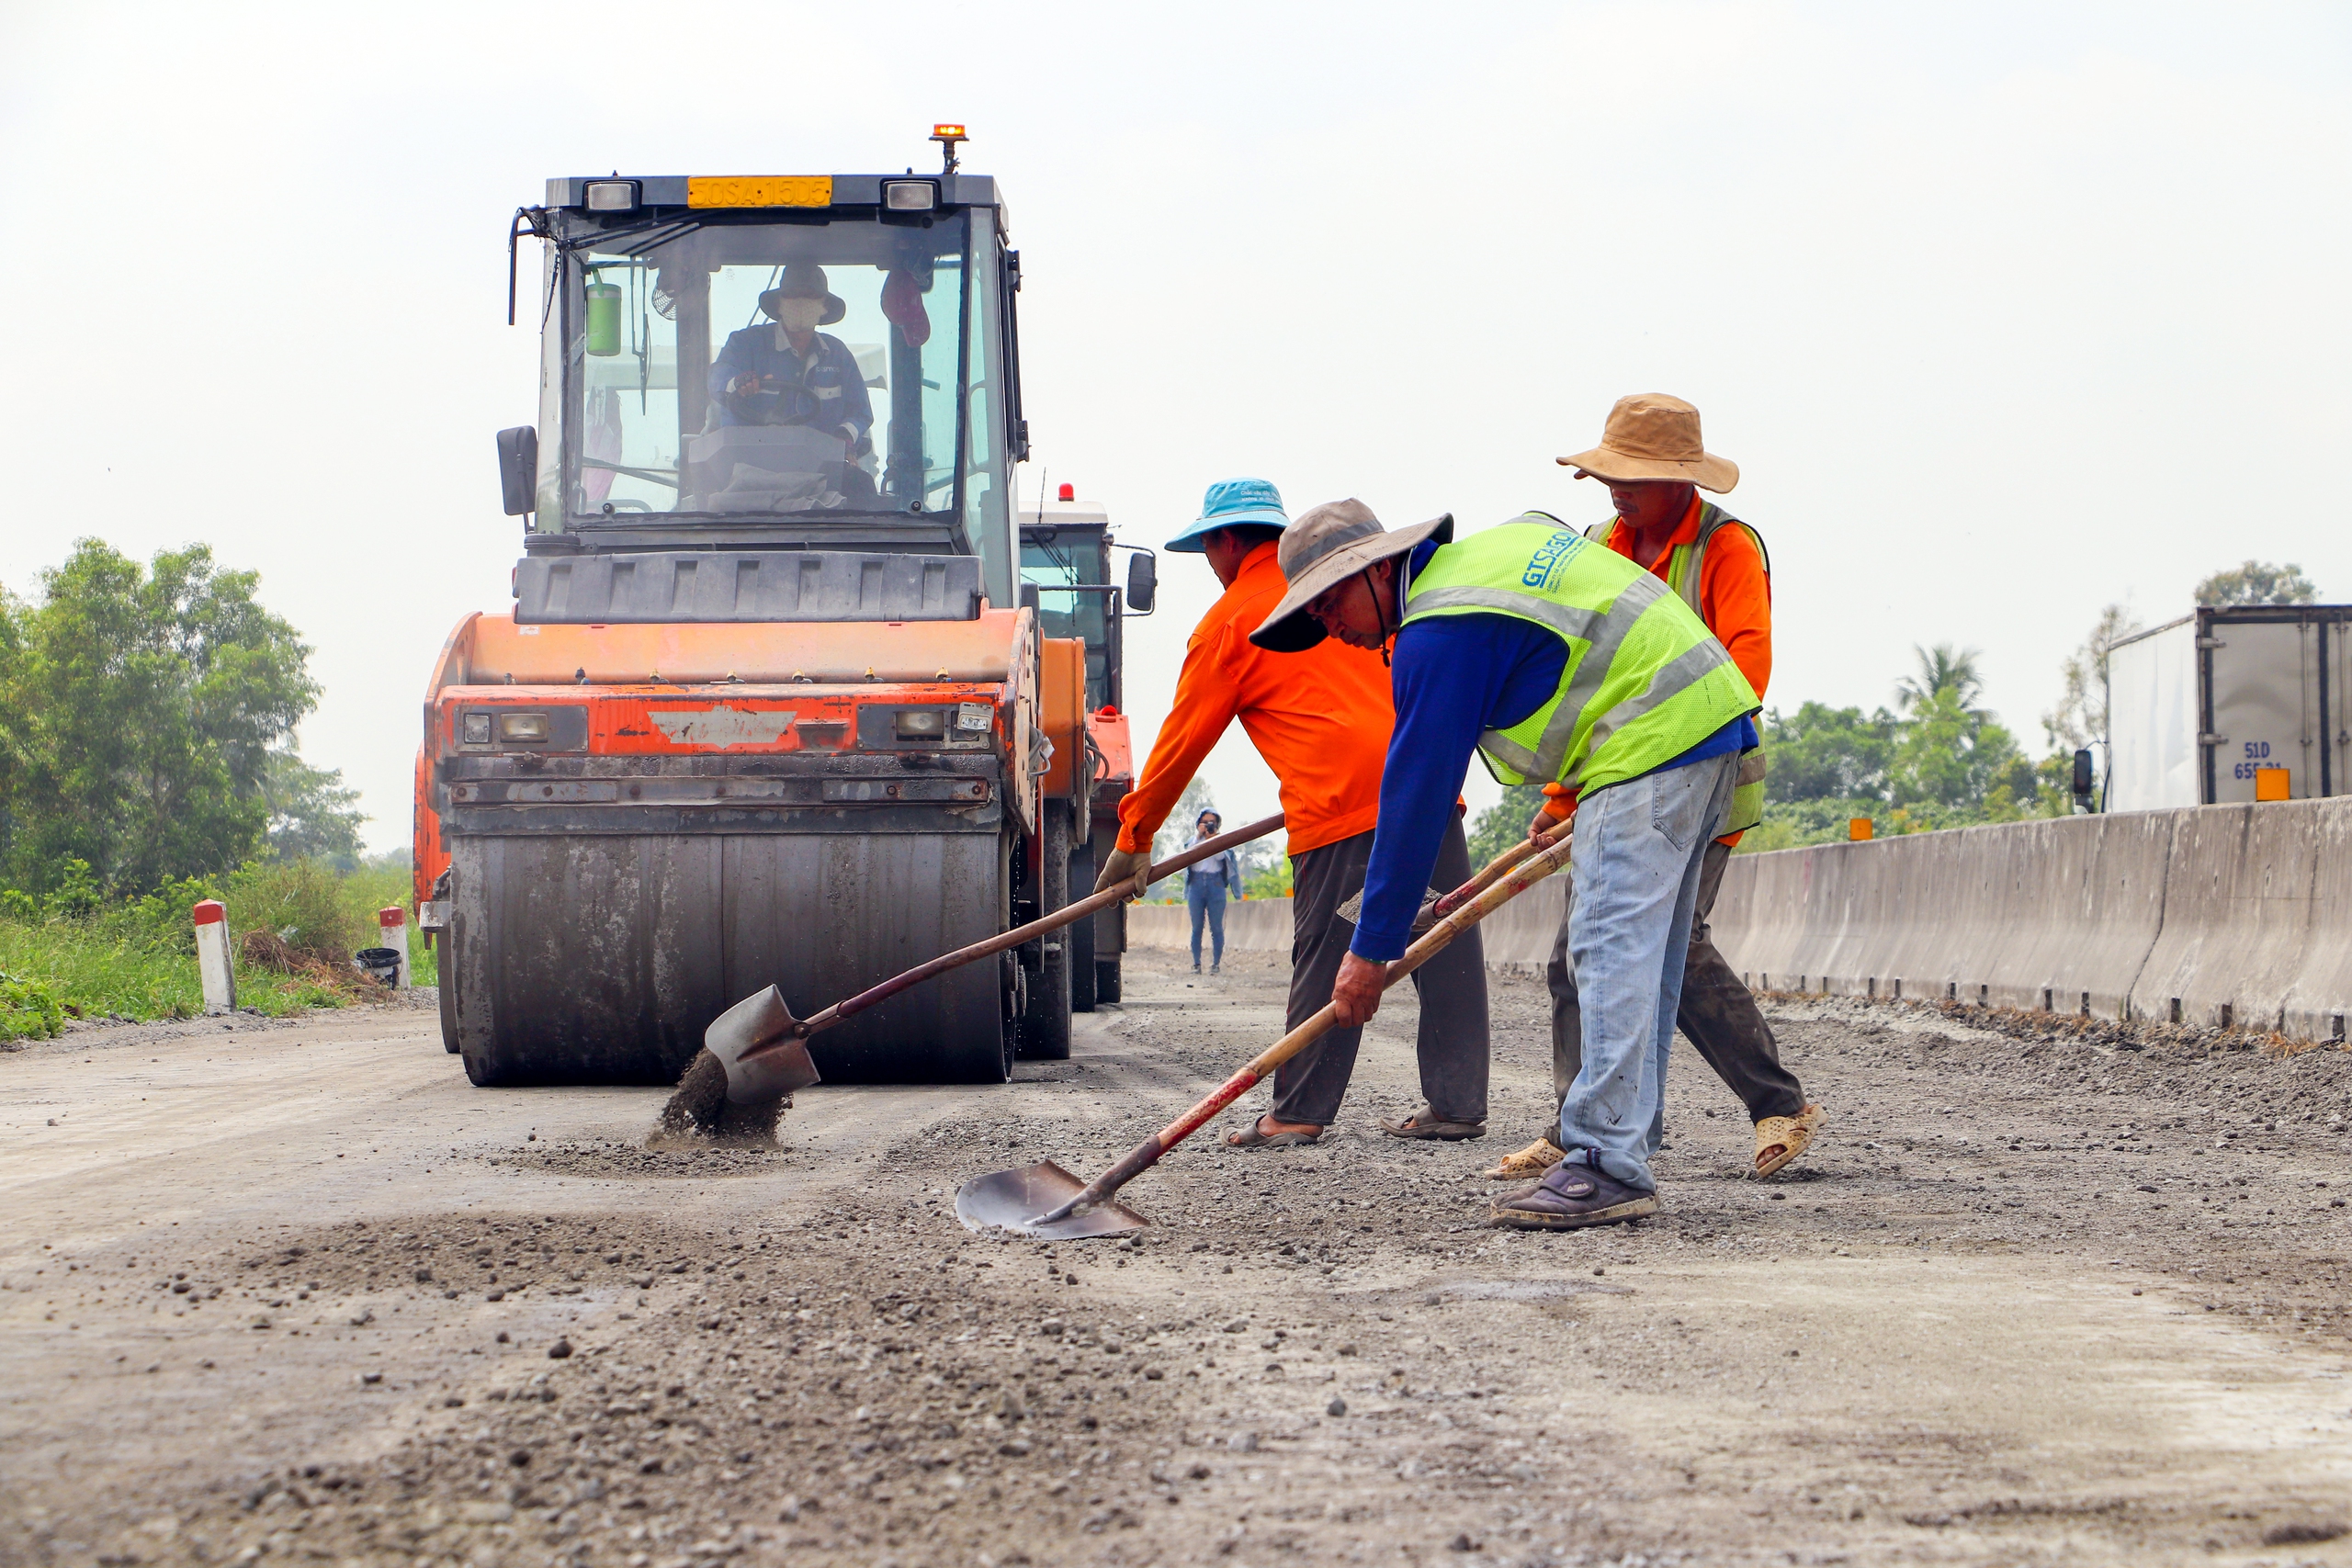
point(1653, 437)
point(1324, 547)
point(804, 280)
point(1232, 504)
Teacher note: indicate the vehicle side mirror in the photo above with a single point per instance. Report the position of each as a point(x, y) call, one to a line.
point(518, 468)
point(2084, 779)
point(1143, 581)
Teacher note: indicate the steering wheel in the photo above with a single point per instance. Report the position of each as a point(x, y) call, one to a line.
point(790, 403)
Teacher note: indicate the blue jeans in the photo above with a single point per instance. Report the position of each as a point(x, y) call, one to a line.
point(1639, 849)
point(1207, 899)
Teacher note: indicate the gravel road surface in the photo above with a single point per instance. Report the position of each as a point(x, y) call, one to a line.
point(295, 1293)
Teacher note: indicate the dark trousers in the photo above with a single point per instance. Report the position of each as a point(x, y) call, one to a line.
point(1717, 1015)
point(1452, 1042)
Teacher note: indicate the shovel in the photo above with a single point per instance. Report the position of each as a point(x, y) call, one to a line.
point(760, 1042)
point(1048, 1202)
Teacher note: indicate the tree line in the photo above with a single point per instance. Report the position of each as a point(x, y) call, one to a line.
point(147, 719)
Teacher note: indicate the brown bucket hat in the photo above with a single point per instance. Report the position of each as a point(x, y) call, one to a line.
point(804, 280)
point(1652, 436)
point(1324, 547)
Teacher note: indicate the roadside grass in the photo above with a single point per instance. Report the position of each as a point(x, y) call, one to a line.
point(293, 925)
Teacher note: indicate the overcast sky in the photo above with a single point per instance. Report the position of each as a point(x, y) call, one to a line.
point(2005, 312)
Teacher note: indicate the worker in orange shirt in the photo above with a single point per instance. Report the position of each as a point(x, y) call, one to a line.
point(1653, 463)
point(1321, 720)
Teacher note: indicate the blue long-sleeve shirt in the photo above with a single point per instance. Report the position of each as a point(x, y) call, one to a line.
point(830, 370)
point(1455, 678)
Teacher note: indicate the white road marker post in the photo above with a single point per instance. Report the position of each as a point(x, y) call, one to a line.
point(391, 925)
point(213, 957)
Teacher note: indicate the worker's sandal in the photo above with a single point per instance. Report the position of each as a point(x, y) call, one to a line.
point(1428, 1124)
point(1527, 1164)
point(1570, 1198)
point(1780, 1139)
point(1255, 1136)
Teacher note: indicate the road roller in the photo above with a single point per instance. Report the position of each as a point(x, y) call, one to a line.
point(1067, 565)
point(772, 702)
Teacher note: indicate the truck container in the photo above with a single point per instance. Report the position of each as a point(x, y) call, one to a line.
point(2227, 705)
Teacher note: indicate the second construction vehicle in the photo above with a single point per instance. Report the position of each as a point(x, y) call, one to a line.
point(769, 706)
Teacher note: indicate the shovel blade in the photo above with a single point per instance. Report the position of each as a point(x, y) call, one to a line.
point(1012, 1200)
point(754, 1041)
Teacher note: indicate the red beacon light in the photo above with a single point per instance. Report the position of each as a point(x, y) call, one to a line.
point(1069, 492)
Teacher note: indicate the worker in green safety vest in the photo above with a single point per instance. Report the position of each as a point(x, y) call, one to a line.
point(1556, 661)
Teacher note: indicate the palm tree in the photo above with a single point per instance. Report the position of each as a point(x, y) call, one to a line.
point(1941, 669)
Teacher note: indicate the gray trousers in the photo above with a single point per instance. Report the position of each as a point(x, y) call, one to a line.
point(1717, 1015)
point(1452, 1042)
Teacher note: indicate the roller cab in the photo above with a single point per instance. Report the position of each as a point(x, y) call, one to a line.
point(767, 706)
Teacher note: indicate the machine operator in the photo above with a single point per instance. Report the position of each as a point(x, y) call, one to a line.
point(790, 373)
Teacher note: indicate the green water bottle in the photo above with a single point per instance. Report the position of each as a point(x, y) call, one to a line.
point(604, 317)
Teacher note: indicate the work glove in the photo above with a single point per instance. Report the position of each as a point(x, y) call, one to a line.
point(1126, 865)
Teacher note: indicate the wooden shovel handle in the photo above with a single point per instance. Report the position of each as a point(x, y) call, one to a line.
point(1069, 914)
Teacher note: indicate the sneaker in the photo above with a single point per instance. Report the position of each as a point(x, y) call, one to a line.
point(1214, 969)
point(1570, 1198)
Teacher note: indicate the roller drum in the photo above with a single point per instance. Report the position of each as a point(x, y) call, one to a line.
point(600, 959)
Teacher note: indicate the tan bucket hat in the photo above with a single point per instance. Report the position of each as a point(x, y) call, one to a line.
point(1652, 436)
point(1326, 546)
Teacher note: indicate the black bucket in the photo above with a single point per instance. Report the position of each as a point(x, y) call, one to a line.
point(380, 963)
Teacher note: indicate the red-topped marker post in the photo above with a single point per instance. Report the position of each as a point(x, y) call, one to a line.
point(212, 963)
point(392, 923)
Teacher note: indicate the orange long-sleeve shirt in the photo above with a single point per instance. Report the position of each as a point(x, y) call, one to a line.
point(1319, 718)
point(1734, 595)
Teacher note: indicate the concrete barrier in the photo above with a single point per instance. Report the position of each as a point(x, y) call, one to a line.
point(2211, 914)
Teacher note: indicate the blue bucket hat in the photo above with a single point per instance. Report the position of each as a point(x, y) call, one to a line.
point(1230, 503)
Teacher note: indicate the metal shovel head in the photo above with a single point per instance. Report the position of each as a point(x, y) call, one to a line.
point(757, 1076)
point(1012, 1200)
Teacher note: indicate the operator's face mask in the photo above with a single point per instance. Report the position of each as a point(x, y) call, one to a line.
point(799, 315)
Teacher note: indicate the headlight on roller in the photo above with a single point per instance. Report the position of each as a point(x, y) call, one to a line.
point(475, 729)
point(921, 724)
point(529, 727)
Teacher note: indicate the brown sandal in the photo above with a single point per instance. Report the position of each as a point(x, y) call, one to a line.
point(1780, 1139)
point(1428, 1124)
point(1255, 1136)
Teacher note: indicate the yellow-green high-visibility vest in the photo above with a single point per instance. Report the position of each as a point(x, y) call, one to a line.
point(1645, 680)
point(1684, 564)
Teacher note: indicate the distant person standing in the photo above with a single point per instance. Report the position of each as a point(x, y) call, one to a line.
point(1206, 883)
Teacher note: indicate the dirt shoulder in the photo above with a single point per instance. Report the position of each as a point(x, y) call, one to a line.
point(2029, 1302)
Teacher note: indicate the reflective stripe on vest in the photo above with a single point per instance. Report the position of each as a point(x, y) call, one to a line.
point(1644, 682)
point(1685, 567)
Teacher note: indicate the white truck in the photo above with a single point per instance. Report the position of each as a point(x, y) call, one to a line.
point(2226, 704)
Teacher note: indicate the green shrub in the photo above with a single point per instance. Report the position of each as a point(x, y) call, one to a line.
point(305, 902)
point(28, 1012)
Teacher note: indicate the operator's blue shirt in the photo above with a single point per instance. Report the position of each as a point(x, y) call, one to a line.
point(1456, 677)
point(830, 371)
